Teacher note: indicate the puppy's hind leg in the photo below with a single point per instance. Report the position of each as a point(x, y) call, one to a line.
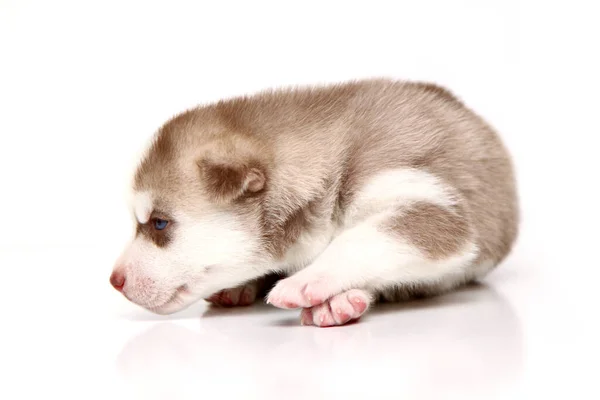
point(420, 244)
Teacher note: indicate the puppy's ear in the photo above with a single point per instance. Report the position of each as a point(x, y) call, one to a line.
point(228, 181)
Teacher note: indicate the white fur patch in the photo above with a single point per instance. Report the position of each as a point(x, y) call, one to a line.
point(379, 259)
point(308, 246)
point(205, 255)
point(397, 187)
point(384, 191)
point(142, 206)
point(366, 257)
point(216, 239)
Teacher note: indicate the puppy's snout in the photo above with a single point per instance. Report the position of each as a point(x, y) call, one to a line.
point(117, 279)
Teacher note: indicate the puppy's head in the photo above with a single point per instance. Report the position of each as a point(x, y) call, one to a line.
point(196, 205)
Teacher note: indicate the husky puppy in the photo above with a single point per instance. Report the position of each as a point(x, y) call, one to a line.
point(355, 192)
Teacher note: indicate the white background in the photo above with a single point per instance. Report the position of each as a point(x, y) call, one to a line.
point(83, 86)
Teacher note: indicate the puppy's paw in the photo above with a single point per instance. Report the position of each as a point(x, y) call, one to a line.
point(340, 309)
point(244, 295)
point(296, 292)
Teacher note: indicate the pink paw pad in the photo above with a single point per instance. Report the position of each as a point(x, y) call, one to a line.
point(342, 317)
point(293, 293)
point(214, 298)
point(311, 297)
point(306, 317)
point(338, 310)
point(226, 298)
point(246, 298)
point(358, 303)
point(241, 296)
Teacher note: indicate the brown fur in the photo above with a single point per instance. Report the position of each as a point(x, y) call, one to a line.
point(437, 232)
point(316, 147)
point(228, 181)
point(439, 92)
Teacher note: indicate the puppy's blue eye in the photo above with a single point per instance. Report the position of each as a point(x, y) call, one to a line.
point(160, 224)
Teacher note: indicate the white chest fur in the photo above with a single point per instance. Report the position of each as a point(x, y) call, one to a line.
point(309, 245)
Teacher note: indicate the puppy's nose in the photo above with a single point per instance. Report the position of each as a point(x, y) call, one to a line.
point(117, 279)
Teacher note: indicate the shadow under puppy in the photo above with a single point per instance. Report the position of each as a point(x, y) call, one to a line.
point(357, 191)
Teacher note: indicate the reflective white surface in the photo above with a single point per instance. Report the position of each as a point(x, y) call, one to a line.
point(472, 339)
point(519, 334)
point(83, 85)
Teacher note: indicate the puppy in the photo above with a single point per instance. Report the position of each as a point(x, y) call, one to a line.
point(356, 192)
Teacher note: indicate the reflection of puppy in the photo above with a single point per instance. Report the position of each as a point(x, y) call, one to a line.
point(357, 190)
point(467, 344)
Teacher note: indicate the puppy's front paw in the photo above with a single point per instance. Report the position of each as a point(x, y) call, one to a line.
point(295, 292)
point(341, 309)
point(244, 295)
